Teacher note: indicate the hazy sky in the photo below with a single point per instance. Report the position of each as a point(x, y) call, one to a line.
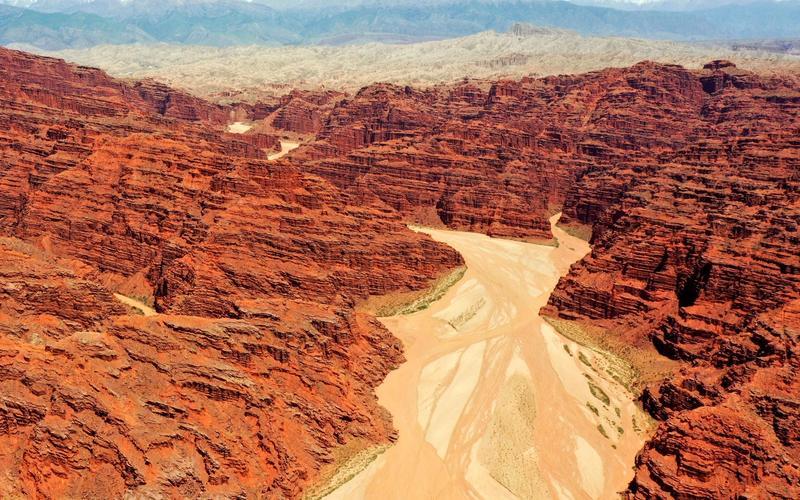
point(674, 5)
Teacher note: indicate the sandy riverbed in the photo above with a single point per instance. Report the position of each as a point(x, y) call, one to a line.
point(286, 146)
point(239, 127)
point(493, 402)
point(136, 304)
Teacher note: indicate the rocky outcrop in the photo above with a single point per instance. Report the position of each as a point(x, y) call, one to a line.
point(499, 157)
point(697, 249)
point(304, 112)
point(176, 405)
point(688, 181)
point(170, 103)
point(257, 375)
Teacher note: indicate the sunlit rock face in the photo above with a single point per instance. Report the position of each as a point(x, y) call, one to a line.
point(696, 249)
point(259, 367)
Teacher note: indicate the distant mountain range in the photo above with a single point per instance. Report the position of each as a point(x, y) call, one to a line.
point(666, 5)
point(58, 24)
point(251, 73)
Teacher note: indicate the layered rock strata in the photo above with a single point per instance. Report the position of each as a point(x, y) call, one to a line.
point(688, 181)
point(257, 375)
point(696, 250)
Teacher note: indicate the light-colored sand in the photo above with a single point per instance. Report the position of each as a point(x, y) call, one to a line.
point(286, 146)
point(448, 401)
point(136, 304)
point(514, 463)
point(239, 127)
point(495, 407)
point(360, 462)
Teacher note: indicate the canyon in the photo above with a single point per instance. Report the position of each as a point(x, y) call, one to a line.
point(252, 375)
point(182, 315)
point(492, 402)
point(687, 184)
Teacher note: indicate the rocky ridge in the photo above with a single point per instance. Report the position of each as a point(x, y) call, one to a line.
point(697, 251)
point(688, 182)
point(257, 373)
point(523, 51)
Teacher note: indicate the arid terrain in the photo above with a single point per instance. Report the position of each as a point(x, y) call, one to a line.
point(191, 289)
point(492, 402)
point(524, 51)
point(249, 377)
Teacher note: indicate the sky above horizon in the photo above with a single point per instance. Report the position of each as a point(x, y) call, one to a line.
point(296, 3)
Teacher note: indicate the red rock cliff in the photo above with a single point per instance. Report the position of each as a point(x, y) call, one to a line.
point(696, 249)
point(258, 369)
point(689, 180)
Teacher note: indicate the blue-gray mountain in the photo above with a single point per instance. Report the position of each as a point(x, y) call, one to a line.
point(57, 24)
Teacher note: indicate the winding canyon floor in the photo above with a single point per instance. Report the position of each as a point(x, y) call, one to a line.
point(493, 402)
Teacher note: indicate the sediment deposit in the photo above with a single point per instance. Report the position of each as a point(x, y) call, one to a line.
point(492, 402)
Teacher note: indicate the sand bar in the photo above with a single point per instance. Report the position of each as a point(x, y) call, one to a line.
point(239, 127)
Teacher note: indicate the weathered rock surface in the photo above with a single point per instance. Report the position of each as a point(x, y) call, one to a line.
point(689, 180)
point(304, 112)
point(258, 370)
point(430, 156)
point(696, 248)
point(500, 157)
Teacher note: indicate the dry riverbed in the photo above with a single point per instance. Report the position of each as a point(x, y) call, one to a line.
point(493, 402)
point(286, 147)
point(136, 304)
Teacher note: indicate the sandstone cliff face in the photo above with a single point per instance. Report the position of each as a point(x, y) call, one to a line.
point(304, 112)
point(688, 180)
point(499, 157)
point(697, 249)
point(258, 369)
point(690, 183)
point(98, 402)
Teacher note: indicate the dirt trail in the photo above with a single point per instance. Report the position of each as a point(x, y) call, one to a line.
point(494, 403)
point(286, 146)
point(136, 304)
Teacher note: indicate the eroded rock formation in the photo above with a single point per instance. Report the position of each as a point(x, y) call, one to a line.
point(304, 112)
point(688, 180)
point(257, 372)
point(697, 250)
